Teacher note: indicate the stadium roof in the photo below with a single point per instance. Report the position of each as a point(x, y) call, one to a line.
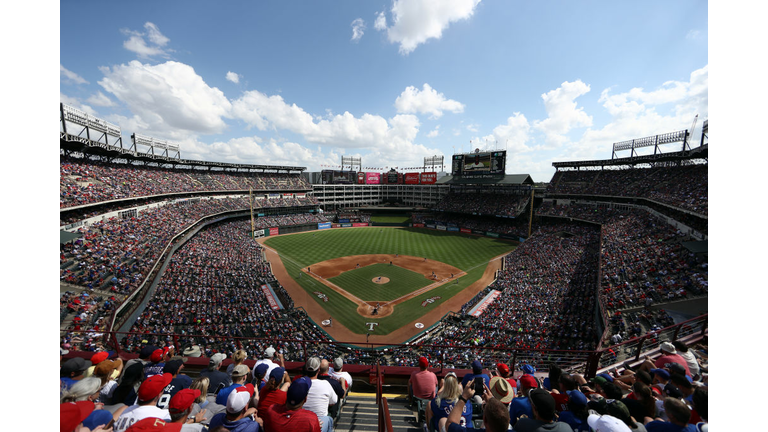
point(700, 152)
point(509, 179)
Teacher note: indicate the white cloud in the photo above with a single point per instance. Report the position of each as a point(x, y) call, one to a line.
point(137, 44)
point(381, 21)
point(693, 34)
point(77, 103)
point(472, 127)
point(417, 21)
point(514, 134)
point(70, 76)
point(563, 115)
point(169, 97)
point(358, 29)
point(100, 99)
point(235, 78)
point(435, 132)
point(426, 101)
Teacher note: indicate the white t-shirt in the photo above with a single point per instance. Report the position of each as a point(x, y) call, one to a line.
point(320, 395)
point(135, 413)
point(693, 365)
point(342, 376)
point(269, 363)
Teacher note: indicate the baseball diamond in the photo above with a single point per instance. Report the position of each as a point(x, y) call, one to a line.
point(345, 264)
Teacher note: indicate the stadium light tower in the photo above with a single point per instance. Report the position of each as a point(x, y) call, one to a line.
point(154, 143)
point(97, 131)
point(352, 162)
point(434, 161)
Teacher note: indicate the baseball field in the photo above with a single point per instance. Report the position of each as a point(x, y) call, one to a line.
point(391, 277)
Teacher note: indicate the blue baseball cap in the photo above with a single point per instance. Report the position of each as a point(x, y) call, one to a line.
point(577, 397)
point(477, 367)
point(260, 370)
point(661, 372)
point(298, 391)
point(526, 368)
point(606, 376)
point(277, 373)
point(99, 417)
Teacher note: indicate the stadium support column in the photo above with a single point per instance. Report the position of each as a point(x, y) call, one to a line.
point(530, 217)
point(250, 202)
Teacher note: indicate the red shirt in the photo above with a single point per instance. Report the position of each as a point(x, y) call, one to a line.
point(279, 418)
point(424, 384)
point(666, 359)
point(267, 398)
point(561, 401)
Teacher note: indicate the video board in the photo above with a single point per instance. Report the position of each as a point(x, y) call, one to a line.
point(479, 164)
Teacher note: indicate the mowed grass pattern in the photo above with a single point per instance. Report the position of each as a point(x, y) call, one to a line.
point(359, 282)
point(469, 253)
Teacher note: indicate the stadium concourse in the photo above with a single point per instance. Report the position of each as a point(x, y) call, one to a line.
point(600, 285)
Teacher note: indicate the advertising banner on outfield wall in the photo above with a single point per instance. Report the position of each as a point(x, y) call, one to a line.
point(343, 220)
point(455, 229)
point(411, 178)
point(372, 178)
point(418, 225)
point(428, 178)
point(324, 225)
point(346, 225)
point(359, 224)
point(274, 231)
point(441, 227)
point(492, 234)
point(466, 230)
point(430, 226)
point(508, 236)
point(478, 232)
point(258, 233)
point(335, 225)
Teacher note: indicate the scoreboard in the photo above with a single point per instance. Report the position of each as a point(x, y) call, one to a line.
point(479, 164)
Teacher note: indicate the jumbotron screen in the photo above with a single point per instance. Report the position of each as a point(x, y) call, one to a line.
point(479, 164)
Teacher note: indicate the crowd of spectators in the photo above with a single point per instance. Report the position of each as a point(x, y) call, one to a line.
point(289, 219)
point(483, 203)
point(683, 187)
point(516, 227)
point(83, 181)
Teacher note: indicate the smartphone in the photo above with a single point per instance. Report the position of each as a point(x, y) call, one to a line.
point(479, 388)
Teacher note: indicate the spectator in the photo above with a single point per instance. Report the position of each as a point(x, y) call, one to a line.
point(477, 372)
point(260, 376)
point(237, 359)
point(218, 379)
point(422, 384)
point(274, 391)
point(238, 417)
point(148, 395)
point(442, 405)
point(71, 371)
point(521, 405)
point(127, 390)
point(679, 416)
point(501, 390)
point(179, 408)
point(239, 376)
point(179, 381)
point(323, 375)
point(543, 407)
point(606, 423)
point(344, 377)
point(576, 413)
point(321, 395)
point(72, 414)
point(292, 416)
point(202, 402)
point(495, 414)
point(84, 389)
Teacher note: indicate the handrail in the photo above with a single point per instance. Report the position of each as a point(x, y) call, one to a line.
point(385, 420)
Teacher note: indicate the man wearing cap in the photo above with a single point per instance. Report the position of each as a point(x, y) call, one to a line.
point(292, 416)
point(477, 371)
point(143, 359)
point(521, 405)
point(156, 363)
point(217, 379)
point(543, 408)
point(669, 355)
point(238, 417)
point(679, 416)
point(501, 390)
point(179, 408)
point(607, 423)
point(660, 379)
point(503, 370)
point(576, 413)
point(72, 371)
point(321, 394)
point(146, 405)
point(72, 414)
point(239, 376)
point(344, 377)
point(274, 391)
point(423, 384)
point(269, 355)
point(323, 375)
point(179, 381)
point(260, 376)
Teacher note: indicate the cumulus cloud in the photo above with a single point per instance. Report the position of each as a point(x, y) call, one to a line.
point(168, 97)
point(426, 101)
point(514, 134)
point(70, 76)
point(435, 132)
point(381, 21)
point(137, 44)
point(235, 78)
point(358, 28)
point(100, 99)
point(563, 115)
point(417, 21)
point(76, 103)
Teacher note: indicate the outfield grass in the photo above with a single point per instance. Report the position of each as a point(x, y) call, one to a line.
point(359, 282)
point(468, 253)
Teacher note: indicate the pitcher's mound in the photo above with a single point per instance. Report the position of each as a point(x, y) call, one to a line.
point(380, 280)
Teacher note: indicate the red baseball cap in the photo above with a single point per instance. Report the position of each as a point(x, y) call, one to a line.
point(99, 357)
point(73, 413)
point(157, 356)
point(153, 386)
point(423, 362)
point(528, 381)
point(183, 399)
point(152, 424)
point(502, 367)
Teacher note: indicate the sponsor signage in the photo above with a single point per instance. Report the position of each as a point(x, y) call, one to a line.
point(343, 220)
point(466, 230)
point(411, 178)
point(474, 231)
point(258, 233)
point(508, 236)
point(361, 178)
point(359, 224)
point(492, 234)
point(487, 302)
point(274, 231)
point(428, 178)
point(431, 226)
point(441, 227)
point(321, 296)
point(453, 228)
point(324, 225)
point(335, 225)
point(372, 178)
point(418, 225)
point(429, 301)
point(346, 225)
point(270, 299)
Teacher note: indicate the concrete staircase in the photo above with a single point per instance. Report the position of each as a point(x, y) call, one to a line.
point(360, 413)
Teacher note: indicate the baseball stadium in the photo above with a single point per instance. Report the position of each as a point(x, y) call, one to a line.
point(444, 267)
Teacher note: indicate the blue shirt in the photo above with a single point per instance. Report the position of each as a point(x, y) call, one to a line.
point(221, 398)
point(518, 407)
point(469, 377)
point(577, 424)
point(662, 426)
point(445, 408)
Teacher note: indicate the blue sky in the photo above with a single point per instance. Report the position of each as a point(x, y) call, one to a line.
point(390, 81)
